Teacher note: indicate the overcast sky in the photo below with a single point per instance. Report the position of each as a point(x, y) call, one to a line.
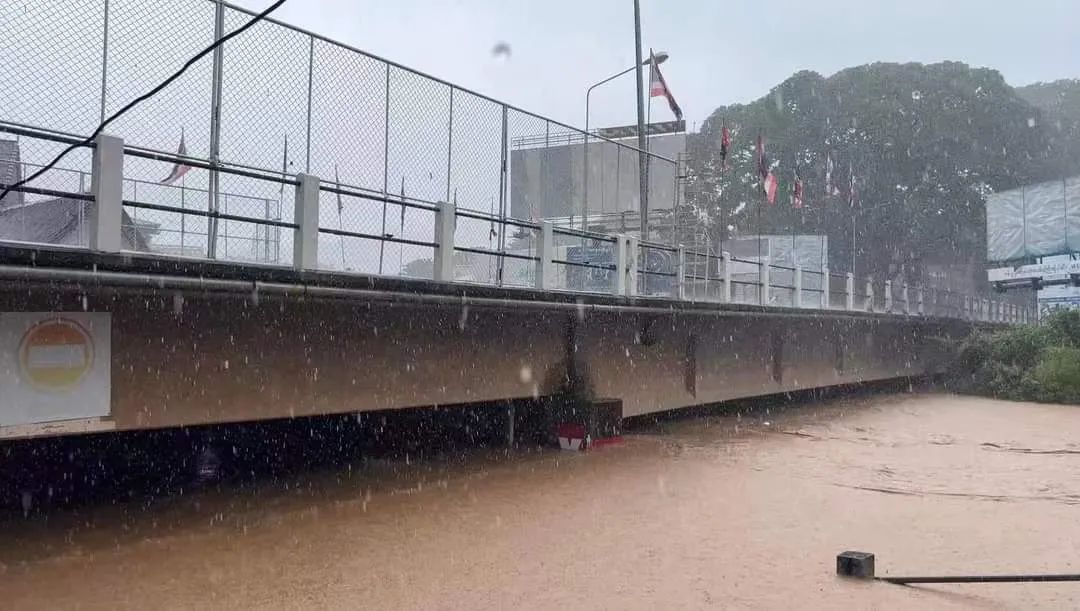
point(722, 51)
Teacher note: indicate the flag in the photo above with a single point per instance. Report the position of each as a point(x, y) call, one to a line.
point(797, 190)
point(179, 169)
point(769, 183)
point(725, 145)
point(337, 183)
point(851, 186)
point(830, 188)
point(658, 86)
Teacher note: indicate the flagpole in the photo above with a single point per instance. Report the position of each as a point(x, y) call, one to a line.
point(401, 226)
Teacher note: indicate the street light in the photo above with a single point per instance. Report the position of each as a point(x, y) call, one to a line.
point(661, 57)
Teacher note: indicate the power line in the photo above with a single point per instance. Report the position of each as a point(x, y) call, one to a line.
point(189, 63)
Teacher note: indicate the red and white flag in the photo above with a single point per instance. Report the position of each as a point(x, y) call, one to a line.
point(797, 190)
point(770, 187)
point(659, 87)
point(179, 169)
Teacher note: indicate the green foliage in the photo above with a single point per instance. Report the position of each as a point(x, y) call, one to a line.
point(1058, 375)
point(1026, 363)
point(927, 143)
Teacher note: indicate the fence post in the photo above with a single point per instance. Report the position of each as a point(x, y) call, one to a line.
point(888, 296)
point(213, 190)
point(869, 306)
point(825, 300)
point(680, 275)
point(631, 265)
point(108, 190)
point(920, 299)
point(904, 293)
point(797, 282)
point(763, 280)
point(306, 214)
point(445, 223)
point(619, 286)
point(726, 292)
point(545, 255)
point(849, 291)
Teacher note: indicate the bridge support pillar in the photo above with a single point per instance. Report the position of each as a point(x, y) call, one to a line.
point(888, 296)
point(725, 291)
point(545, 256)
point(849, 291)
point(445, 223)
point(108, 186)
point(306, 214)
point(797, 283)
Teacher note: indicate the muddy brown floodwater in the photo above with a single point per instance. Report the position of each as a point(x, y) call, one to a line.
point(722, 512)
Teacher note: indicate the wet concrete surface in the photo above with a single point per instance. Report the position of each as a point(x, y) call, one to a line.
point(732, 510)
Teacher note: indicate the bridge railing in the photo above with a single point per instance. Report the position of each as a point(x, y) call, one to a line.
point(109, 211)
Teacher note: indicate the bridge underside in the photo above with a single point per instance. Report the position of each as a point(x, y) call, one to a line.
point(194, 343)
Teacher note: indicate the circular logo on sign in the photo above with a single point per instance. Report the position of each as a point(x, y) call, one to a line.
point(56, 354)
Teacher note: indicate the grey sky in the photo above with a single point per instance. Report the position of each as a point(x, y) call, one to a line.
point(722, 51)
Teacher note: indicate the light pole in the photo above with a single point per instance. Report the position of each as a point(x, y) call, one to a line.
point(643, 167)
point(661, 57)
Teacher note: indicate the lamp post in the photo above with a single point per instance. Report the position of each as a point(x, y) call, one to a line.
point(661, 57)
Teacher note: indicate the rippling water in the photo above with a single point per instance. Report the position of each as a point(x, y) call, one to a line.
point(723, 512)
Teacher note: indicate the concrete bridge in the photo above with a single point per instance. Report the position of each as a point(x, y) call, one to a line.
point(169, 342)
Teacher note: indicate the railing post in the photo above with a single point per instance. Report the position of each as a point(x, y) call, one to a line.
point(108, 190)
point(306, 214)
point(763, 280)
point(905, 295)
point(680, 275)
point(631, 265)
point(797, 282)
point(545, 256)
point(445, 223)
point(920, 299)
point(825, 300)
point(849, 291)
point(888, 296)
point(619, 286)
point(726, 292)
point(869, 305)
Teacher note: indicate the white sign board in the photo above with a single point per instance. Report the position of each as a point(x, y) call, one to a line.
point(54, 366)
point(1038, 270)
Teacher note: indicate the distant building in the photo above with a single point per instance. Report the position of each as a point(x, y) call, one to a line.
point(62, 221)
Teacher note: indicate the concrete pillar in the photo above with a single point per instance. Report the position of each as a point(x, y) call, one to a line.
point(888, 296)
point(631, 265)
point(107, 167)
point(797, 283)
point(920, 300)
point(510, 417)
point(680, 274)
point(619, 286)
point(826, 286)
point(445, 224)
point(725, 292)
point(545, 256)
point(869, 304)
point(763, 279)
point(849, 291)
point(905, 296)
point(306, 215)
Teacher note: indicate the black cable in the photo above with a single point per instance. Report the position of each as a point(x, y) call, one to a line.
point(89, 139)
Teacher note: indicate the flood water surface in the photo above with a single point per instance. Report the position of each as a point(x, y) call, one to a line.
point(708, 512)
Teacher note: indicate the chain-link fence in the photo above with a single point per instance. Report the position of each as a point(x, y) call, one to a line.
point(387, 142)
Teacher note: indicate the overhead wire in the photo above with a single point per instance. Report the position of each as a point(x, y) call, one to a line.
point(142, 98)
